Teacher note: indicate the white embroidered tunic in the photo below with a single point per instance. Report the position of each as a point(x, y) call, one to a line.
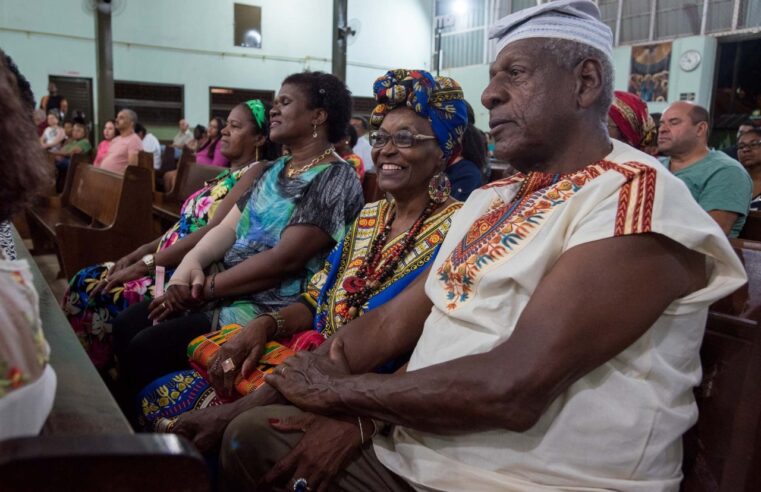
point(620, 426)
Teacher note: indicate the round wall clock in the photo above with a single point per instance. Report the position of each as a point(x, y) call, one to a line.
point(689, 60)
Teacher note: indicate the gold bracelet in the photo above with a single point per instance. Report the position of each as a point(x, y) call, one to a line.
point(279, 323)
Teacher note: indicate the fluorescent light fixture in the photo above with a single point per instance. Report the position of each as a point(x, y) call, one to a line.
point(459, 7)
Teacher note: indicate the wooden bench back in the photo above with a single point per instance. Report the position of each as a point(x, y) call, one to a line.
point(745, 302)
point(752, 228)
point(145, 160)
point(95, 192)
point(720, 452)
point(168, 163)
point(194, 177)
point(94, 463)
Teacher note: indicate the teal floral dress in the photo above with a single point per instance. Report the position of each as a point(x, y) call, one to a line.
point(329, 197)
point(91, 316)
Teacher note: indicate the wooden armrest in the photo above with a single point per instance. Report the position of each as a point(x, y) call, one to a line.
point(120, 462)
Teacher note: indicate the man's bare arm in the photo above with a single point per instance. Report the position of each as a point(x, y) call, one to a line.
point(597, 300)
point(725, 219)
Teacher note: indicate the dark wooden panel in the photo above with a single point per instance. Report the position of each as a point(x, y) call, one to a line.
point(116, 463)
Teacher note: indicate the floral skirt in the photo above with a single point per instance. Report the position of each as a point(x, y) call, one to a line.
point(91, 317)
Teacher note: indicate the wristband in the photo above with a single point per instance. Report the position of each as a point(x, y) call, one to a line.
point(279, 323)
point(211, 286)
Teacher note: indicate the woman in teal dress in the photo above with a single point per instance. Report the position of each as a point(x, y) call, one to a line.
point(98, 293)
point(263, 252)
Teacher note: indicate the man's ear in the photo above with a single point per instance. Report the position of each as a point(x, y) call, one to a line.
point(702, 129)
point(589, 82)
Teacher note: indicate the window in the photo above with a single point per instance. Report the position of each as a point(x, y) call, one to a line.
point(248, 26)
point(362, 106)
point(155, 104)
point(678, 18)
point(719, 15)
point(223, 99)
point(460, 31)
point(609, 13)
point(635, 21)
point(462, 49)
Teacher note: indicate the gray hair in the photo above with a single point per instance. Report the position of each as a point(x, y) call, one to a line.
point(567, 54)
point(132, 115)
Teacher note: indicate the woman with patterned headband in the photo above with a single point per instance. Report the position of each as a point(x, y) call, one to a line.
point(629, 121)
point(98, 293)
point(418, 121)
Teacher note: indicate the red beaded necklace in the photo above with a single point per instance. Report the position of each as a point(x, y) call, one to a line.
point(371, 274)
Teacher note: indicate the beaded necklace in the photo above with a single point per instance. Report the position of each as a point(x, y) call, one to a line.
point(371, 274)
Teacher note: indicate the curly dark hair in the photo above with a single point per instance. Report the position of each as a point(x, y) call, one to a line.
point(271, 150)
point(25, 89)
point(327, 92)
point(24, 171)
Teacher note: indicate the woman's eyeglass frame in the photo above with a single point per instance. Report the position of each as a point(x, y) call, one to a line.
point(402, 139)
point(753, 145)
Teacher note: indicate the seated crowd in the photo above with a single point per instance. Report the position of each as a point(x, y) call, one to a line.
point(436, 339)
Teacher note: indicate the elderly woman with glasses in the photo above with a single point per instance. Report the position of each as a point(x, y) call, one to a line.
point(419, 121)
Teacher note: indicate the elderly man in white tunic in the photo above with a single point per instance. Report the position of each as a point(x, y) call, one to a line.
point(562, 318)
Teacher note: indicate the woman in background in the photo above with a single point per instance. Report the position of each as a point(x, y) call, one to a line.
point(629, 121)
point(98, 293)
point(210, 152)
point(109, 133)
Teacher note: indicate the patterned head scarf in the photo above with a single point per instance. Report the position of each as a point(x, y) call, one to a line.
point(438, 100)
point(630, 115)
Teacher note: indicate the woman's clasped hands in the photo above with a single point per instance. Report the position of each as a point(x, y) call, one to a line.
point(181, 296)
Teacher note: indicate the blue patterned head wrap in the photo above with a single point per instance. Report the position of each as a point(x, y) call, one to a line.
point(438, 100)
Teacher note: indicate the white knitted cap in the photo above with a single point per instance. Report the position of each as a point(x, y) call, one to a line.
point(575, 20)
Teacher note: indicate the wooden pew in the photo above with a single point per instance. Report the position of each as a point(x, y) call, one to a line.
point(168, 162)
point(101, 216)
point(191, 177)
point(722, 452)
point(752, 228)
point(87, 443)
point(145, 161)
point(125, 463)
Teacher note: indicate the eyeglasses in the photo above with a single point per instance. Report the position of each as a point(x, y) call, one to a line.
point(750, 146)
point(402, 139)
